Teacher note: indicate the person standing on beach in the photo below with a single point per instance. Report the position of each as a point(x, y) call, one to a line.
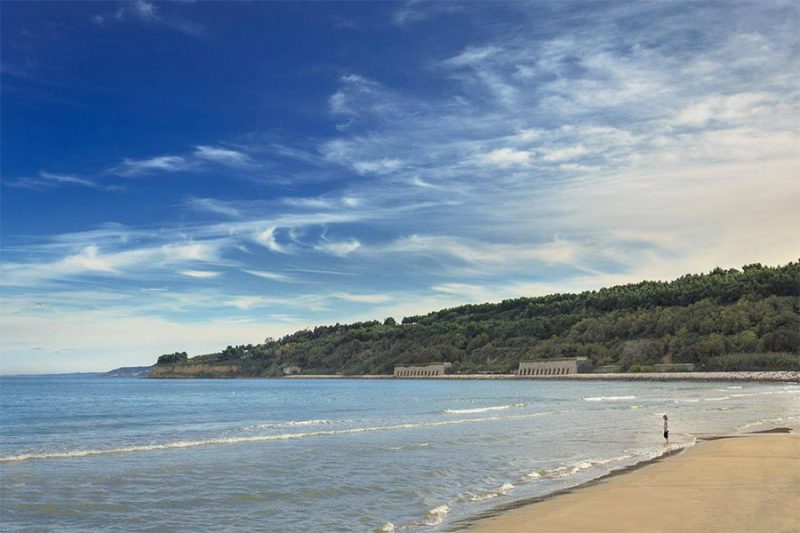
point(666, 429)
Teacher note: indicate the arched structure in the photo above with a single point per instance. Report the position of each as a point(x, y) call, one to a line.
point(423, 371)
point(554, 367)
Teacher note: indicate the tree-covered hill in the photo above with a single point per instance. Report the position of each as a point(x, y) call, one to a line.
point(745, 319)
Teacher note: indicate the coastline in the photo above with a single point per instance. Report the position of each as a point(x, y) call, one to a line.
point(740, 482)
point(776, 376)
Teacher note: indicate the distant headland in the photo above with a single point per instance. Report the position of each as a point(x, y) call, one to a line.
point(725, 320)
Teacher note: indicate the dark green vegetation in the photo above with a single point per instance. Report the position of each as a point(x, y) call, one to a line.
point(173, 358)
point(745, 319)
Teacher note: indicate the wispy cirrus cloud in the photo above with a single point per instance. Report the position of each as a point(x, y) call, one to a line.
point(197, 160)
point(225, 156)
point(90, 260)
point(337, 247)
point(415, 11)
point(200, 274)
point(147, 13)
point(211, 205)
point(268, 238)
point(272, 276)
point(164, 163)
point(50, 180)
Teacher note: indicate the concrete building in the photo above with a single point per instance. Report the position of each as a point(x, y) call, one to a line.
point(423, 371)
point(555, 367)
point(292, 370)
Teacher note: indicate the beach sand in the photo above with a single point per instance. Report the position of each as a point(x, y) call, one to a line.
point(741, 484)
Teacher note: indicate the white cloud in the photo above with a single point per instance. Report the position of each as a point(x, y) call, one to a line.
point(416, 11)
point(200, 274)
point(361, 298)
point(380, 167)
point(312, 203)
point(562, 154)
point(356, 93)
point(146, 12)
point(224, 156)
point(490, 256)
point(467, 292)
point(268, 239)
point(91, 261)
point(47, 180)
point(274, 276)
point(165, 163)
point(505, 157)
point(351, 201)
point(62, 178)
point(472, 57)
point(88, 260)
point(248, 302)
point(338, 248)
point(725, 109)
point(213, 206)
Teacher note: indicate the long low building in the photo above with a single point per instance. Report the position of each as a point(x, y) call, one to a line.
point(555, 367)
point(423, 371)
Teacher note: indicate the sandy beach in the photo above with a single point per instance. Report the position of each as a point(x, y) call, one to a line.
point(746, 483)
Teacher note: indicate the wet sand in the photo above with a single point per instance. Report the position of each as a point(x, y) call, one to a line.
point(745, 483)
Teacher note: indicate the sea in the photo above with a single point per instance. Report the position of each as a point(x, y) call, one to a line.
point(320, 455)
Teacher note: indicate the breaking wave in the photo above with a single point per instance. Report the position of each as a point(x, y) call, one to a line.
point(289, 424)
point(256, 438)
point(436, 515)
point(481, 409)
point(608, 398)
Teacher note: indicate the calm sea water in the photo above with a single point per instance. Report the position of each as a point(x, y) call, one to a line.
point(333, 455)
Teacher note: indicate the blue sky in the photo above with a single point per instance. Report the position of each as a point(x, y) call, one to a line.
point(188, 175)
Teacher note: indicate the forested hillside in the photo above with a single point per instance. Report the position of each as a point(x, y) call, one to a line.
point(744, 319)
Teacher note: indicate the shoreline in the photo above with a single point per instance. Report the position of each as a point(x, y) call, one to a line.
point(476, 521)
point(628, 498)
point(776, 376)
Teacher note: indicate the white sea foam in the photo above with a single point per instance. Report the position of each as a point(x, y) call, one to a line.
point(574, 468)
point(531, 476)
point(307, 422)
point(288, 424)
point(764, 393)
point(611, 459)
point(388, 527)
point(437, 514)
point(563, 471)
point(482, 497)
point(491, 494)
point(760, 422)
point(256, 438)
point(718, 399)
point(476, 410)
point(506, 488)
point(608, 398)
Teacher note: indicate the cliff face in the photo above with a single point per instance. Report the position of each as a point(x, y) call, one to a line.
point(188, 371)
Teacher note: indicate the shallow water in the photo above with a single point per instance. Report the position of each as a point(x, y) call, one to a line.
point(334, 455)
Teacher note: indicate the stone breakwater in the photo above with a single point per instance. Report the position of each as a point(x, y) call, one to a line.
point(774, 376)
